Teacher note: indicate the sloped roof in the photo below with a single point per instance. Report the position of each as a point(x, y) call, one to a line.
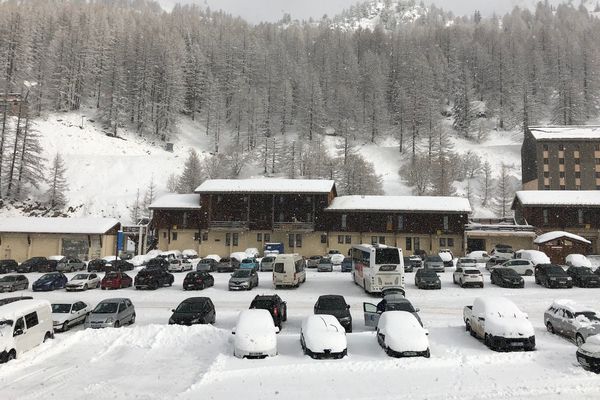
point(550, 236)
point(266, 185)
point(401, 203)
point(88, 225)
point(573, 132)
point(573, 198)
point(177, 202)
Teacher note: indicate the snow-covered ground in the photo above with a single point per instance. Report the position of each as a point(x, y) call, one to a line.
point(151, 360)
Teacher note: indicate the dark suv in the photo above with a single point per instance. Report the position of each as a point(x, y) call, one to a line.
point(195, 310)
point(97, 265)
point(7, 266)
point(274, 305)
point(35, 264)
point(552, 276)
point(153, 278)
point(584, 277)
point(335, 305)
point(158, 263)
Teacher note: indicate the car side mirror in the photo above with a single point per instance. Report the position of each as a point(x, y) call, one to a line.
point(73, 312)
point(173, 310)
point(348, 307)
point(18, 332)
point(417, 309)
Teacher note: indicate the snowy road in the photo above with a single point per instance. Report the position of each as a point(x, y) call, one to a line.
point(152, 360)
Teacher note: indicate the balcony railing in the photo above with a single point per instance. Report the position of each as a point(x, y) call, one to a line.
point(293, 226)
point(236, 225)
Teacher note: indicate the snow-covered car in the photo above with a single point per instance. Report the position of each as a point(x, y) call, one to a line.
point(252, 252)
point(170, 255)
point(180, 265)
point(588, 354)
point(401, 335)
point(336, 257)
point(480, 256)
point(238, 256)
point(521, 267)
point(255, 335)
point(68, 314)
point(215, 257)
point(500, 323)
point(535, 256)
point(503, 251)
point(466, 262)
point(447, 257)
point(83, 282)
point(468, 277)
point(572, 320)
point(578, 260)
point(393, 300)
point(322, 336)
point(189, 254)
point(138, 261)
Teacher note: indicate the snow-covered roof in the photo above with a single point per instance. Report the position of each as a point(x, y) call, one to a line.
point(548, 237)
point(574, 198)
point(266, 185)
point(87, 225)
point(177, 202)
point(400, 203)
point(574, 132)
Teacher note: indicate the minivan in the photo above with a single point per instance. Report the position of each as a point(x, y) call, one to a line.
point(24, 325)
point(288, 270)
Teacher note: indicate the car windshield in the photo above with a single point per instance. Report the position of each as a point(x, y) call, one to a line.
point(206, 261)
point(242, 273)
point(472, 271)
point(61, 308)
point(315, 257)
point(387, 256)
point(592, 316)
point(174, 261)
point(507, 272)
point(48, 277)
point(8, 279)
point(347, 260)
point(434, 258)
point(268, 259)
point(105, 308)
point(80, 277)
point(263, 304)
point(188, 307)
point(225, 260)
point(400, 306)
point(324, 261)
point(584, 271)
point(555, 269)
point(247, 261)
point(332, 303)
point(467, 261)
point(193, 275)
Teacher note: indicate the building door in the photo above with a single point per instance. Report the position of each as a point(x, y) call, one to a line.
point(475, 245)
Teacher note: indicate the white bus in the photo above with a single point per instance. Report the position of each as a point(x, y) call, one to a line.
point(377, 267)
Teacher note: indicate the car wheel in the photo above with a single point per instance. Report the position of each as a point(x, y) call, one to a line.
point(85, 287)
point(102, 288)
point(427, 354)
point(65, 326)
point(453, 279)
point(117, 324)
point(467, 326)
point(529, 272)
point(48, 336)
point(132, 320)
point(11, 356)
point(579, 340)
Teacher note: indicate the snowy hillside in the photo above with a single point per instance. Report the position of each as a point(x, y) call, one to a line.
point(386, 13)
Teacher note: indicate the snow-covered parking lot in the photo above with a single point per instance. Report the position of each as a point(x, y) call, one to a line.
point(151, 360)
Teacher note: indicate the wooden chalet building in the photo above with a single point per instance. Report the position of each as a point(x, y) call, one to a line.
point(574, 211)
point(177, 221)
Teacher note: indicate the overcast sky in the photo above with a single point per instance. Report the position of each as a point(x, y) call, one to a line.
point(272, 10)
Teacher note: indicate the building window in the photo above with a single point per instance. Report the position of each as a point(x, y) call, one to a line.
point(450, 242)
point(164, 235)
point(545, 147)
point(374, 240)
point(561, 147)
point(561, 161)
point(546, 161)
point(547, 187)
point(561, 174)
point(348, 239)
point(340, 239)
point(546, 174)
point(291, 241)
point(417, 243)
point(298, 240)
point(185, 218)
point(442, 242)
point(204, 236)
point(196, 236)
point(597, 161)
point(344, 216)
point(445, 222)
point(228, 239)
point(408, 244)
point(259, 237)
point(323, 239)
point(389, 226)
point(235, 239)
point(580, 217)
point(597, 147)
point(597, 174)
point(381, 239)
point(174, 235)
point(267, 237)
point(577, 161)
point(545, 216)
point(400, 222)
point(577, 174)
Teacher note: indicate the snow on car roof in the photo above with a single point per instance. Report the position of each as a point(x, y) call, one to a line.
point(177, 201)
point(400, 203)
point(266, 185)
point(87, 225)
point(547, 237)
point(577, 132)
point(571, 305)
point(497, 305)
point(588, 198)
point(255, 320)
point(323, 323)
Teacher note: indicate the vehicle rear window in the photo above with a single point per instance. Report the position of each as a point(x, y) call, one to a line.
point(279, 268)
point(247, 261)
point(268, 259)
point(472, 271)
point(467, 261)
point(262, 304)
point(387, 268)
point(387, 256)
point(434, 258)
point(427, 272)
point(555, 269)
point(331, 303)
point(402, 306)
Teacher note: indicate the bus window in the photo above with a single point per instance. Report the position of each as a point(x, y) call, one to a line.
point(387, 256)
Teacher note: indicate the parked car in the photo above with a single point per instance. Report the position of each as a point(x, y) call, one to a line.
point(274, 305)
point(11, 283)
point(500, 324)
point(480, 256)
point(572, 320)
point(194, 310)
point(408, 266)
point(465, 262)
point(138, 261)
point(225, 265)
point(116, 280)
point(494, 262)
point(503, 251)
point(507, 278)
point(189, 254)
point(170, 255)
point(252, 252)
point(67, 315)
point(390, 302)
point(322, 336)
point(24, 325)
point(50, 281)
point(70, 264)
point(583, 277)
point(266, 264)
point(249, 263)
point(346, 265)
point(335, 305)
point(588, 354)
point(198, 280)
point(158, 263)
point(313, 261)
point(180, 265)
point(552, 276)
point(447, 258)
point(412, 262)
point(118, 265)
point(468, 277)
point(111, 313)
point(7, 266)
point(434, 263)
point(97, 265)
point(421, 253)
point(243, 279)
point(535, 256)
point(401, 335)
point(207, 265)
point(288, 270)
point(325, 265)
point(83, 282)
point(149, 278)
point(335, 256)
point(34, 264)
point(255, 335)
point(578, 260)
point(521, 267)
point(426, 278)
point(238, 256)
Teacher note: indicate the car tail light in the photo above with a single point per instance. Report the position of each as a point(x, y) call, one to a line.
point(275, 311)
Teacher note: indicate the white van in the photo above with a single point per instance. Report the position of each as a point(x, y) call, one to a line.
point(24, 325)
point(288, 270)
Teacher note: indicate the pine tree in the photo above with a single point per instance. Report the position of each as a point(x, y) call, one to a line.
point(135, 209)
point(149, 198)
point(486, 183)
point(192, 175)
point(57, 182)
point(504, 192)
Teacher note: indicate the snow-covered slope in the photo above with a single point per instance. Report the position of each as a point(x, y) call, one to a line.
point(385, 13)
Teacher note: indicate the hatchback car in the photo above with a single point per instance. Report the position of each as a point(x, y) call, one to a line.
point(35, 264)
point(97, 265)
point(116, 280)
point(552, 276)
point(400, 335)
point(346, 265)
point(83, 282)
point(243, 279)
point(507, 278)
point(427, 279)
point(10, 283)
point(198, 281)
point(111, 313)
point(194, 310)
point(335, 305)
point(520, 266)
point(274, 305)
point(207, 265)
point(313, 261)
point(180, 265)
point(584, 277)
point(158, 263)
point(50, 281)
point(465, 262)
point(7, 266)
point(325, 265)
point(572, 320)
point(70, 264)
point(249, 263)
point(225, 265)
point(149, 278)
point(67, 315)
point(266, 264)
point(119, 265)
point(588, 354)
point(468, 277)
point(434, 263)
point(322, 336)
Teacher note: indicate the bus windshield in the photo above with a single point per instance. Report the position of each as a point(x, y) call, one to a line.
point(387, 256)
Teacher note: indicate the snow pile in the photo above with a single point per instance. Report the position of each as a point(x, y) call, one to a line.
point(177, 201)
point(559, 198)
point(578, 260)
point(57, 225)
point(585, 132)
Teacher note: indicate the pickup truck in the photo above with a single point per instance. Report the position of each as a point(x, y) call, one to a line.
point(500, 324)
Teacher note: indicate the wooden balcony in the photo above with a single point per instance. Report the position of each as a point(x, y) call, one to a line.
point(294, 226)
point(228, 225)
